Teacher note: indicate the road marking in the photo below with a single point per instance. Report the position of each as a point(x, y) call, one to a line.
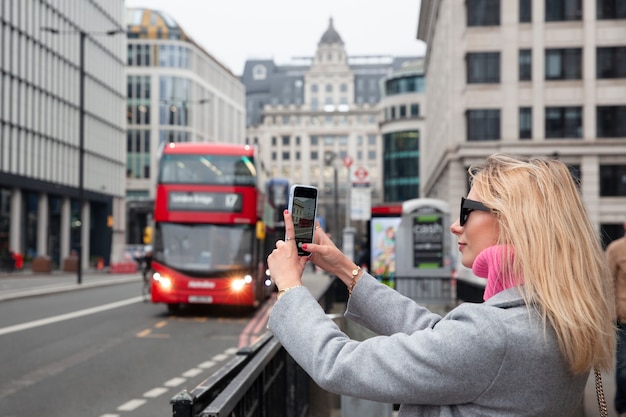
point(192, 372)
point(155, 392)
point(132, 404)
point(207, 364)
point(174, 382)
point(69, 316)
point(220, 357)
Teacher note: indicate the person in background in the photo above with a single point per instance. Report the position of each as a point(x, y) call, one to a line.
point(528, 350)
point(616, 258)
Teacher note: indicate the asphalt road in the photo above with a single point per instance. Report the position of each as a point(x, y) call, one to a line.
point(103, 352)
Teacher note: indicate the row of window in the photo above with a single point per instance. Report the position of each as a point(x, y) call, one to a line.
point(318, 121)
point(328, 140)
point(560, 122)
point(315, 156)
point(560, 64)
point(170, 56)
point(487, 12)
point(405, 85)
point(401, 111)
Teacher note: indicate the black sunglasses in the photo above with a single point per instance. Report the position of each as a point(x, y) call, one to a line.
point(467, 206)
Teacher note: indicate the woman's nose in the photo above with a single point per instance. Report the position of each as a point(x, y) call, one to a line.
point(456, 227)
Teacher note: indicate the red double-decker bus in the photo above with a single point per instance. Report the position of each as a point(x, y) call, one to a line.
point(208, 237)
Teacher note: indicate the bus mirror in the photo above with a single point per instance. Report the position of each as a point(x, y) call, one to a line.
point(260, 230)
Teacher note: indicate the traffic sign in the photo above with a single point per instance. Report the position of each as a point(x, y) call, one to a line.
point(347, 161)
point(360, 175)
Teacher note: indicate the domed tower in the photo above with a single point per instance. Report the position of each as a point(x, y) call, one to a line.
point(330, 81)
point(330, 48)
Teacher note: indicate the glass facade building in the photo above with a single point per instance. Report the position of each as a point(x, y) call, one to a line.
point(54, 175)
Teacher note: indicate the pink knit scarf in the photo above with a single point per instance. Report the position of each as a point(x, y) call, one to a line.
point(488, 265)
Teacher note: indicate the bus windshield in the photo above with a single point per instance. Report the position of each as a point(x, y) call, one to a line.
point(204, 247)
point(207, 169)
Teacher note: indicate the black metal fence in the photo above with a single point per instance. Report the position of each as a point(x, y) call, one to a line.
point(262, 380)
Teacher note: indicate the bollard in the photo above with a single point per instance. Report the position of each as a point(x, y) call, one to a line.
point(182, 404)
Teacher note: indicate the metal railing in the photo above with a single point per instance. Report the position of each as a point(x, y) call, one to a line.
point(261, 380)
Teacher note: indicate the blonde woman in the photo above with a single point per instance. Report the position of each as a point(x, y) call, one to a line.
point(547, 319)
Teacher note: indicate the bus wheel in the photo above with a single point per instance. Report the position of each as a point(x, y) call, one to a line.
point(173, 307)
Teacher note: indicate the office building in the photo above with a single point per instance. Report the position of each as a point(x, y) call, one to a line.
point(530, 77)
point(314, 115)
point(177, 92)
point(62, 187)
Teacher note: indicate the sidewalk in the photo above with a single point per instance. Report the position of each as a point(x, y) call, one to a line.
point(27, 284)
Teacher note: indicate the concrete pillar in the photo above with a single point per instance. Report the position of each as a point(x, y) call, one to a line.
point(66, 213)
point(17, 218)
point(43, 215)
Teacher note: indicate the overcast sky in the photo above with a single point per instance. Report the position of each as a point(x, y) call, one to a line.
point(236, 30)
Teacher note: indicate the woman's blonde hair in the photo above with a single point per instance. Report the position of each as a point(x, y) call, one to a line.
point(557, 253)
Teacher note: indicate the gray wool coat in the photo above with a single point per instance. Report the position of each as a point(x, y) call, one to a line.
point(489, 359)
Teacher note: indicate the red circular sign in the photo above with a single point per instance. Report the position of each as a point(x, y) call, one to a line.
point(361, 174)
point(347, 161)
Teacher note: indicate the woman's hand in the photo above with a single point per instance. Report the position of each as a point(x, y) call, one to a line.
point(285, 265)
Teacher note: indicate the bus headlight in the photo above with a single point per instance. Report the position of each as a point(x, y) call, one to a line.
point(164, 282)
point(239, 283)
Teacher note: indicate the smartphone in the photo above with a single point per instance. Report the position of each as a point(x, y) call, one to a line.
point(303, 209)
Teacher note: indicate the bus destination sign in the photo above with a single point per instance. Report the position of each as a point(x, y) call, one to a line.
point(205, 201)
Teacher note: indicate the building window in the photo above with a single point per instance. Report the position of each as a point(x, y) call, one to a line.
point(611, 61)
point(610, 9)
point(483, 67)
point(314, 156)
point(314, 88)
point(285, 140)
point(525, 65)
point(415, 110)
point(561, 10)
point(259, 72)
point(611, 122)
point(314, 140)
point(525, 122)
point(612, 180)
point(273, 156)
point(525, 11)
point(285, 156)
point(403, 111)
point(371, 139)
point(329, 88)
point(564, 122)
point(393, 113)
point(274, 141)
point(564, 64)
point(483, 12)
point(483, 124)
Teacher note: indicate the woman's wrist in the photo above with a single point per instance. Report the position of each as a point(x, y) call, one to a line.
point(349, 275)
point(284, 290)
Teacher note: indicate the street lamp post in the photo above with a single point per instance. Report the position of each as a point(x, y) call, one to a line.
point(329, 159)
point(81, 134)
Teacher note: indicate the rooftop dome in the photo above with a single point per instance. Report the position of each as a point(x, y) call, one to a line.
point(331, 36)
point(153, 24)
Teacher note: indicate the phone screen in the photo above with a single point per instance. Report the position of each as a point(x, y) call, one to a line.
point(303, 208)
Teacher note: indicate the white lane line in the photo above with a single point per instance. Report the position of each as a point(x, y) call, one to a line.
point(132, 404)
point(69, 316)
point(174, 382)
point(231, 351)
point(207, 364)
point(110, 415)
point(220, 357)
point(192, 372)
point(155, 392)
